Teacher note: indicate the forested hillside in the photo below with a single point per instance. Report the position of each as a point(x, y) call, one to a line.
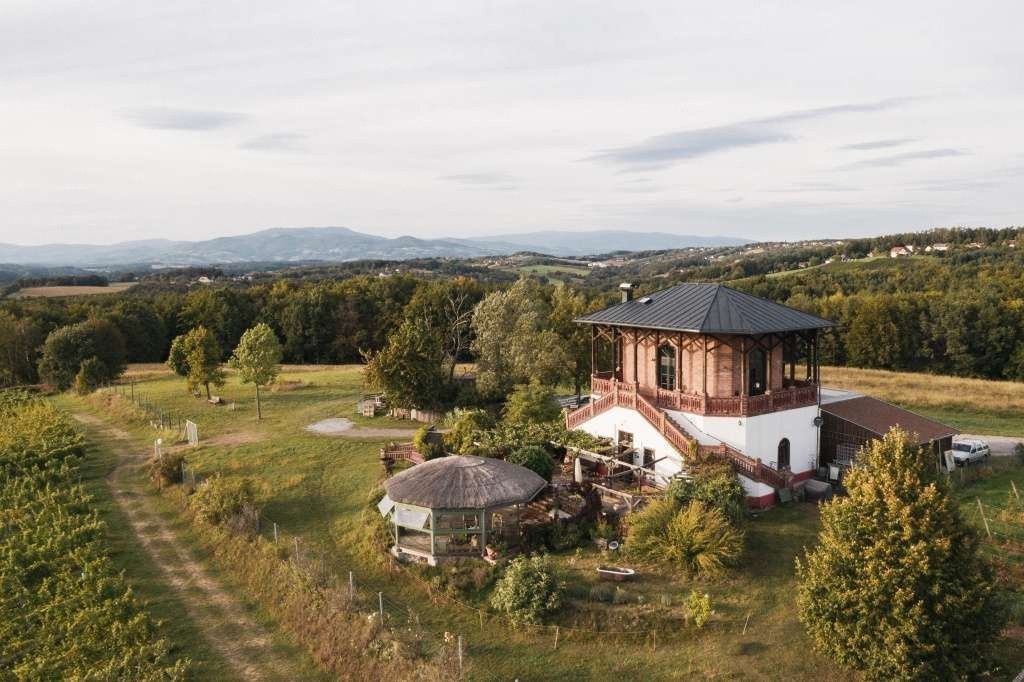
point(960, 312)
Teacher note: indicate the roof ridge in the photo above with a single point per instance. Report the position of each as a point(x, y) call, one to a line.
point(711, 304)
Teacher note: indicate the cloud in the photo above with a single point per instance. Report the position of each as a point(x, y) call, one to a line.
point(954, 185)
point(183, 119)
point(484, 180)
point(877, 144)
point(801, 187)
point(897, 159)
point(662, 151)
point(275, 142)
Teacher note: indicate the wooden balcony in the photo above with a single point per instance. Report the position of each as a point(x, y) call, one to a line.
point(802, 394)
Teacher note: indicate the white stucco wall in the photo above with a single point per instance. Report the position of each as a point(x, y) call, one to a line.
point(609, 423)
point(753, 488)
point(759, 436)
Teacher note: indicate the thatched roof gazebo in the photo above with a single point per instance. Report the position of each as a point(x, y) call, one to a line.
point(447, 507)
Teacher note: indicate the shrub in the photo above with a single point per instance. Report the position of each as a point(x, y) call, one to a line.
point(91, 374)
point(896, 586)
point(696, 538)
point(719, 490)
point(531, 403)
point(226, 501)
point(166, 470)
point(701, 540)
point(528, 590)
point(645, 529)
point(1018, 451)
point(465, 428)
point(428, 442)
point(699, 609)
point(534, 458)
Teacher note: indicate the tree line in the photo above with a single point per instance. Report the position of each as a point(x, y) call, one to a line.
point(961, 314)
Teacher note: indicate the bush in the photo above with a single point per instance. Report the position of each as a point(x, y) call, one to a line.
point(531, 403)
point(534, 458)
point(696, 538)
point(428, 442)
point(1018, 451)
point(528, 590)
point(719, 490)
point(465, 428)
point(91, 374)
point(166, 470)
point(699, 608)
point(226, 501)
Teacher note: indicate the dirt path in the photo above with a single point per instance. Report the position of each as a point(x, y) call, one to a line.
point(221, 618)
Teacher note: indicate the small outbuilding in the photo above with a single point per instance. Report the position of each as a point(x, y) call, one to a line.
point(451, 507)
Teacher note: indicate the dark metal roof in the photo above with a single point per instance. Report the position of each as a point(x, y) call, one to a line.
point(464, 482)
point(708, 309)
point(878, 416)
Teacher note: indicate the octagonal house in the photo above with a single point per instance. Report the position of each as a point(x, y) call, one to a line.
point(451, 507)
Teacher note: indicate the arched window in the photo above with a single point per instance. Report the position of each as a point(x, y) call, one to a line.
point(667, 368)
point(757, 364)
point(783, 454)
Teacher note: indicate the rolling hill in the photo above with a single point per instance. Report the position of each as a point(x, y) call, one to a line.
point(340, 244)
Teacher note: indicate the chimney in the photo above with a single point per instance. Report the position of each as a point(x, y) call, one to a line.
point(627, 291)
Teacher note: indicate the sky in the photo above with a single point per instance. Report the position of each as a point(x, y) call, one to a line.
point(764, 120)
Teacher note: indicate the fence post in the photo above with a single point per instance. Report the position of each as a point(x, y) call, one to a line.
point(982, 510)
point(1015, 493)
point(460, 655)
point(275, 532)
point(296, 549)
point(351, 587)
point(556, 637)
point(380, 600)
point(183, 472)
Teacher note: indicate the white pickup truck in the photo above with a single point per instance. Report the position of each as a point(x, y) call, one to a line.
point(969, 450)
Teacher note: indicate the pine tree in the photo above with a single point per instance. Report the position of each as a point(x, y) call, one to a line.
point(896, 587)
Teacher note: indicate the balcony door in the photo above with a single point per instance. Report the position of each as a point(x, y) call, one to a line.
point(667, 368)
point(757, 370)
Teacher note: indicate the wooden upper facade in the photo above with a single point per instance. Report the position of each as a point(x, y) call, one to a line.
point(740, 356)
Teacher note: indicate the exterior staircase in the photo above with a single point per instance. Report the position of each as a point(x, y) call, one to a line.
point(624, 395)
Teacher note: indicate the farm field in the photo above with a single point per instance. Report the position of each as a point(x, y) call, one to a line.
point(61, 291)
point(318, 489)
point(978, 406)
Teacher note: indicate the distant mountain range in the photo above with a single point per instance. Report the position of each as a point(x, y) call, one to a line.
point(343, 244)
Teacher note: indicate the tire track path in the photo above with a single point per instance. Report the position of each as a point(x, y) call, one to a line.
point(220, 616)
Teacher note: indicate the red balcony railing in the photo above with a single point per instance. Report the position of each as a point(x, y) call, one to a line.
point(801, 395)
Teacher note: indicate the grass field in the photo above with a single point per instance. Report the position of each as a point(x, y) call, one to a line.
point(556, 273)
point(971, 405)
point(318, 487)
point(63, 291)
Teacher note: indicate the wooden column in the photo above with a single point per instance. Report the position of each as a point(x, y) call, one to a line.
point(657, 360)
point(704, 366)
point(743, 367)
point(616, 360)
point(593, 349)
point(679, 363)
point(636, 343)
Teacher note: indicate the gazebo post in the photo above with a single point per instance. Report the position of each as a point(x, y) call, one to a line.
point(483, 530)
point(433, 553)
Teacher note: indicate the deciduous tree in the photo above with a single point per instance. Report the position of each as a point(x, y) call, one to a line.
point(257, 359)
point(196, 356)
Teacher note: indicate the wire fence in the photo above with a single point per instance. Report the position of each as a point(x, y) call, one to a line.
point(159, 417)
